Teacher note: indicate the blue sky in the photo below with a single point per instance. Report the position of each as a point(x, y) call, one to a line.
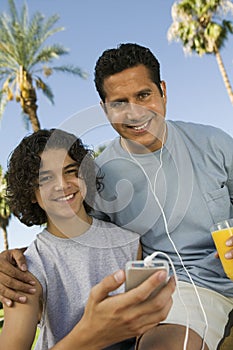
point(195, 89)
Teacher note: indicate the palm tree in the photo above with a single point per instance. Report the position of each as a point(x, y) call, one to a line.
point(24, 58)
point(5, 213)
point(200, 26)
point(99, 150)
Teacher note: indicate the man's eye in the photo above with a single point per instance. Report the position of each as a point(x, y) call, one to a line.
point(117, 104)
point(144, 95)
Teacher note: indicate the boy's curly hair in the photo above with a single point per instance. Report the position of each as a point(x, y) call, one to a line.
point(125, 56)
point(24, 166)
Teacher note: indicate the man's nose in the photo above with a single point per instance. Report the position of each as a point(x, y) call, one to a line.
point(134, 111)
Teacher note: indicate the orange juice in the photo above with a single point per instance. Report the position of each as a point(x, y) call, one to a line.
point(220, 237)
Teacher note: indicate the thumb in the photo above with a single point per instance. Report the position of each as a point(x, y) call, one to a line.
point(19, 258)
point(107, 285)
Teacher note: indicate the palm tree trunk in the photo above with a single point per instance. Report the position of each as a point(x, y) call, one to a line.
point(28, 97)
point(30, 109)
point(224, 74)
point(5, 239)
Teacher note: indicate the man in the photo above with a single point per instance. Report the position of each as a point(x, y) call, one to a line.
point(178, 180)
point(169, 182)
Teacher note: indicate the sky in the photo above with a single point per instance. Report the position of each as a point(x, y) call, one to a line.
point(195, 89)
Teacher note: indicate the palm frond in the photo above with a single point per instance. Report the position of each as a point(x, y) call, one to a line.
point(47, 91)
point(72, 70)
point(24, 56)
point(3, 103)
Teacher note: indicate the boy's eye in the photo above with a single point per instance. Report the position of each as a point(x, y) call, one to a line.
point(71, 171)
point(45, 179)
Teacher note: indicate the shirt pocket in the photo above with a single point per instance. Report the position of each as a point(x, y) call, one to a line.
point(219, 204)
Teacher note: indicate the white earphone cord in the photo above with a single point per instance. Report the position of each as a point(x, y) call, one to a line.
point(149, 258)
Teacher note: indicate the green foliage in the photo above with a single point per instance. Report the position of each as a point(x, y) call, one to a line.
point(202, 28)
point(25, 59)
point(200, 25)
point(99, 150)
point(5, 212)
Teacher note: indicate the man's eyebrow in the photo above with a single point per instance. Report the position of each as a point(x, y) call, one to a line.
point(119, 99)
point(143, 91)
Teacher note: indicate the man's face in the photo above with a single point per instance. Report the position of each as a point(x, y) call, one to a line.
point(136, 109)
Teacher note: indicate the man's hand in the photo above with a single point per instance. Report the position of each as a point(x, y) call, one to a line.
point(229, 253)
point(119, 317)
point(229, 243)
point(14, 276)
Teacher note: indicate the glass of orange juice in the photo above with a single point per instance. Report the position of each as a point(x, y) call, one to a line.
point(220, 233)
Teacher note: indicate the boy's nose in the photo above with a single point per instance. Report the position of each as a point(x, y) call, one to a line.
point(61, 184)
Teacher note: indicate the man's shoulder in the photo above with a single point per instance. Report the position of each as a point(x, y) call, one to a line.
point(198, 130)
point(109, 152)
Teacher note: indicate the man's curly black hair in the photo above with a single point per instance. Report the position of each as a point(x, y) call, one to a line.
point(24, 166)
point(125, 56)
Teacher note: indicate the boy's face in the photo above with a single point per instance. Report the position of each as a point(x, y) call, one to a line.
point(60, 192)
point(135, 107)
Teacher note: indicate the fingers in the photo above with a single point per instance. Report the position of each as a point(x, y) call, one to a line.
point(144, 290)
point(19, 258)
point(8, 292)
point(6, 301)
point(159, 303)
point(8, 269)
point(107, 285)
point(229, 243)
point(229, 254)
point(15, 297)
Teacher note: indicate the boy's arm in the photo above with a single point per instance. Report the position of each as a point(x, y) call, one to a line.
point(14, 276)
point(20, 323)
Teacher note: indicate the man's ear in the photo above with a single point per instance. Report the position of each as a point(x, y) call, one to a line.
point(164, 90)
point(103, 105)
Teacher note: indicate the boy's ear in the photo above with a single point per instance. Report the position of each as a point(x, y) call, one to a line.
point(33, 200)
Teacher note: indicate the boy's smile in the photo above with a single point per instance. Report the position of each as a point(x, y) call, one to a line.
point(61, 190)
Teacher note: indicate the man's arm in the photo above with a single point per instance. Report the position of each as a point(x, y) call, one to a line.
point(112, 319)
point(14, 276)
point(20, 323)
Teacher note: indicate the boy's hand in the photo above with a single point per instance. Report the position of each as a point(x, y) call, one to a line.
point(122, 316)
point(14, 276)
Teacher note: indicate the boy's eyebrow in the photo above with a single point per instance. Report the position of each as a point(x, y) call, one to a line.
point(71, 165)
point(42, 172)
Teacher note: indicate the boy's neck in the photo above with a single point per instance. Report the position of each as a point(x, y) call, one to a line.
point(69, 228)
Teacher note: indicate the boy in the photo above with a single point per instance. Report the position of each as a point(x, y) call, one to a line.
point(52, 182)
